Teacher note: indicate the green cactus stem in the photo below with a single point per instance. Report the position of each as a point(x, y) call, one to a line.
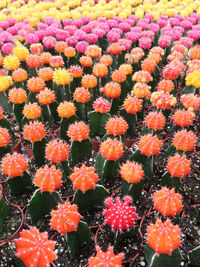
point(78, 238)
point(162, 260)
point(65, 122)
point(42, 203)
point(147, 162)
point(39, 152)
point(132, 189)
point(97, 123)
point(18, 111)
point(131, 120)
point(20, 184)
point(170, 182)
point(81, 151)
point(46, 113)
point(4, 212)
point(93, 198)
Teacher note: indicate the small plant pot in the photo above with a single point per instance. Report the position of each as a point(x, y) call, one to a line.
point(28, 151)
point(18, 146)
point(130, 142)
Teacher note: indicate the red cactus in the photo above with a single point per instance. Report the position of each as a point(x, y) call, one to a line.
point(65, 218)
point(178, 166)
point(167, 202)
point(34, 248)
point(163, 237)
point(84, 178)
point(48, 178)
point(107, 258)
point(119, 214)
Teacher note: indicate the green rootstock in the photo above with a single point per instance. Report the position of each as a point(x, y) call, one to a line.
point(81, 151)
point(98, 122)
point(4, 212)
point(162, 260)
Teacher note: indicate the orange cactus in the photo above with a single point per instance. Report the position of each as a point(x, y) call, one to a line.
point(101, 105)
point(1, 113)
point(111, 149)
point(86, 61)
point(82, 95)
point(141, 90)
point(190, 101)
point(115, 49)
point(112, 90)
point(36, 84)
point(171, 72)
point(126, 68)
point(132, 104)
point(46, 74)
point(116, 126)
point(167, 202)
point(33, 61)
point(57, 151)
point(70, 52)
point(178, 166)
point(132, 172)
point(118, 76)
point(17, 95)
point(45, 57)
point(41, 248)
point(137, 52)
point(48, 179)
point(76, 71)
point(106, 60)
point(175, 55)
point(166, 86)
point(100, 70)
point(19, 75)
point(184, 140)
point(56, 62)
point(180, 48)
point(163, 237)
point(155, 121)
point(78, 131)
point(60, 46)
point(36, 49)
point(46, 97)
point(93, 51)
point(183, 118)
point(65, 218)
point(162, 100)
point(66, 109)
point(194, 52)
point(157, 50)
point(148, 65)
point(142, 77)
point(32, 111)
point(149, 145)
point(154, 57)
point(4, 137)
point(107, 258)
point(89, 81)
point(84, 178)
point(34, 132)
point(14, 165)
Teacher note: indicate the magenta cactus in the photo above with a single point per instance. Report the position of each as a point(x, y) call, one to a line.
point(119, 214)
